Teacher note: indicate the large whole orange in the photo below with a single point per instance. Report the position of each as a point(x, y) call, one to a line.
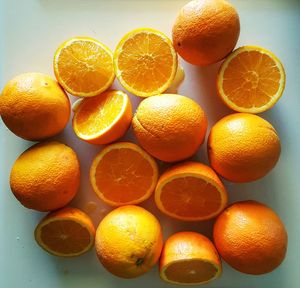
point(170, 127)
point(250, 237)
point(34, 107)
point(206, 31)
point(46, 176)
point(243, 147)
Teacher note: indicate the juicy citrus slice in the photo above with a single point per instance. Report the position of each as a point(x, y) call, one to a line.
point(145, 62)
point(83, 66)
point(251, 79)
point(189, 258)
point(103, 119)
point(190, 191)
point(66, 232)
point(123, 173)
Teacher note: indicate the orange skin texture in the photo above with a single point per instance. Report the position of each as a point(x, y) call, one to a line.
point(243, 147)
point(34, 106)
point(170, 127)
point(206, 31)
point(188, 246)
point(129, 241)
point(250, 237)
point(46, 176)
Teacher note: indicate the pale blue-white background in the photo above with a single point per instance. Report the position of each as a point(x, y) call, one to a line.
point(31, 30)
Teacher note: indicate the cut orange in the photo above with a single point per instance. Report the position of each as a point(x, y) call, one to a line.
point(189, 258)
point(103, 119)
point(190, 191)
point(145, 62)
point(251, 79)
point(123, 173)
point(66, 232)
point(83, 66)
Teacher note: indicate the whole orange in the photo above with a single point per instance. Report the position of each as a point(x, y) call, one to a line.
point(250, 237)
point(34, 107)
point(128, 241)
point(243, 147)
point(206, 31)
point(170, 127)
point(46, 176)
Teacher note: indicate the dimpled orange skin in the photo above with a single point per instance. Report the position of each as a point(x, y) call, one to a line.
point(46, 176)
point(34, 106)
point(206, 31)
point(243, 147)
point(170, 127)
point(250, 237)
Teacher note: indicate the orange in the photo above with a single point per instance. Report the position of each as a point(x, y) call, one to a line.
point(103, 119)
point(250, 237)
point(251, 79)
point(123, 173)
point(84, 66)
point(66, 232)
point(46, 176)
point(189, 258)
point(243, 147)
point(34, 107)
point(145, 62)
point(170, 127)
point(190, 191)
point(128, 241)
point(206, 31)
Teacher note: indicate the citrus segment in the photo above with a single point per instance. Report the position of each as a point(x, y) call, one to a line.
point(251, 79)
point(145, 62)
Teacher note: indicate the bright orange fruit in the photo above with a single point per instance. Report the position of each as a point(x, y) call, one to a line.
point(123, 173)
point(190, 191)
point(66, 232)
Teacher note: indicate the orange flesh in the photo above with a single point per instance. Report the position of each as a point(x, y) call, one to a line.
point(251, 79)
point(123, 175)
point(84, 66)
point(190, 197)
point(145, 62)
point(65, 236)
point(98, 113)
point(190, 271)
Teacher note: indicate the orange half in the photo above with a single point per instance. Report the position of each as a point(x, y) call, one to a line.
point(104, 118)
point(190, 191)
point(123, 173)
point(66, 232)
point(251, 79)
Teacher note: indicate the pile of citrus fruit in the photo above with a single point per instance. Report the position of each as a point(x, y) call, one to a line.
point(241, 147)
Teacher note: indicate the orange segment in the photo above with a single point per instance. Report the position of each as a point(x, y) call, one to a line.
point(84, 66)
point(145, 62)
point(189, 258)
point(104, 118)
point(251, 79)
point(190, 191)
point(123, 173)
point(66, 232)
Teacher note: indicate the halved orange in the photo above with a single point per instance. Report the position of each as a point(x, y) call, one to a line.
point(66, 232)
point(123, 173)
point(83, 66)
point(104, 118)
point(189, 258)
point(190, 191)
point(145, 62)
point(251, 79)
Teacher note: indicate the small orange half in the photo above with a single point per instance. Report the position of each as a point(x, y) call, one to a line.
point(251, 79)
point(123, 173)
point(190, 191)
point(104, 118)
point(66, 232)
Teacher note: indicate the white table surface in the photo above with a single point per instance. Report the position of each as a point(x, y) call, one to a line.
point(31, 30)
